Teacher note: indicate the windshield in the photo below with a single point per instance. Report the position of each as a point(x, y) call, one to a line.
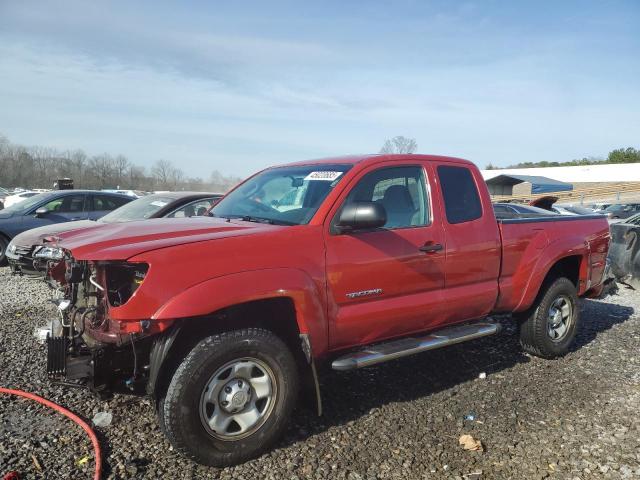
point(27, 204)
point(284, 195)
point(140, 209)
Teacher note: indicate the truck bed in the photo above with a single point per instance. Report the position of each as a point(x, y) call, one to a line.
point(530, 245)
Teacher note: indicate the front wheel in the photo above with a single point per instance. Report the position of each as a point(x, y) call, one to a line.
point(550, 326)
point(231, 397)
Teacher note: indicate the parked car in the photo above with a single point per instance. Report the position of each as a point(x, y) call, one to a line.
point(4, 193)
point(18, 197)
point(54, 207)
point(622, 210)
point(515, 210)
point(572, 210)
point(222, 320)
point(22, 250)
point(548, 202)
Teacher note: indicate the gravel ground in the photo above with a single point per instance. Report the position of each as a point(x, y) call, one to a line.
point(577, 417)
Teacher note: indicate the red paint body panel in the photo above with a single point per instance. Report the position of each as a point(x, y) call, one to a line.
point(200, 265)
point(531, 249)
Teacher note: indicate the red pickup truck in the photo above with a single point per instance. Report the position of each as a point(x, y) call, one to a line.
point(346, 262)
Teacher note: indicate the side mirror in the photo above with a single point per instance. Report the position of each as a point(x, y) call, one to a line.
point(41, 211)
point(361, 216)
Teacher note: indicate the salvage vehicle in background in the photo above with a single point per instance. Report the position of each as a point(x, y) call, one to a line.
point(515, 210)
point(372, 258)
point(27, 251)
point(622, 210)
point(573, 210)
point(54, 207)
point(624, 253)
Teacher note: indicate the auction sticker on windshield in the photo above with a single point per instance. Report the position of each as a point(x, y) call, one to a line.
point(323, 175)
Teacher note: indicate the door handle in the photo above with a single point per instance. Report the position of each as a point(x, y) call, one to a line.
point(431, 247)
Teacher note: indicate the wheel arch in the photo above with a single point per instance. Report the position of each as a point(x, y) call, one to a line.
point(573, 267)
point(276, 314)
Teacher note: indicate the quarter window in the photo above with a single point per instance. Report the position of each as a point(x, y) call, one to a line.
point(461, 199)
point(400, 190)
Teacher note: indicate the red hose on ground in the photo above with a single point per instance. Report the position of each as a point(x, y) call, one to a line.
point(68, 414)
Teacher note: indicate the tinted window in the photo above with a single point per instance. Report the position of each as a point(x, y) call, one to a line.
point(400, 190)
point(461, 200)
point(66, 204)
point(105, 202)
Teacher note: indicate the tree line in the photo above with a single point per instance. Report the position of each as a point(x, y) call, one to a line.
point(620, 155)
point(39, 167)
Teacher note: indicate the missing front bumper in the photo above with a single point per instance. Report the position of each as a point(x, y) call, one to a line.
point(63, 364)
point(101, 368)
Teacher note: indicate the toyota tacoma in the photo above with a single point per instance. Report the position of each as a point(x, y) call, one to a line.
point(345, 262)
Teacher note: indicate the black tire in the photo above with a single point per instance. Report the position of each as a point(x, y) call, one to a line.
point(3, 250)
point(180, 409)
point(536, 328)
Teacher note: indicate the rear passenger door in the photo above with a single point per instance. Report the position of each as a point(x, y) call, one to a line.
point(473, 245)
point(380, 283)
point(100, 205)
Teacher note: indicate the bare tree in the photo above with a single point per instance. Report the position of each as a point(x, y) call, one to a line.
point(161, 171)
point(399, 144)
point(121, 165)
point(39, 167)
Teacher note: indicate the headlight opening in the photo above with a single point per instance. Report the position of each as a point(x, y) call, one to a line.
point(123, 279)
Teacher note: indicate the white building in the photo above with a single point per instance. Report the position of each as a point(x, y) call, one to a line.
point(614, 172)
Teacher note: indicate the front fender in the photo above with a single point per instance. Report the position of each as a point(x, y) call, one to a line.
point(222, 292)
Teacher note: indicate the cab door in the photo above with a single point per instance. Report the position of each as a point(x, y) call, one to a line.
point(473, 245)
point(385, 282)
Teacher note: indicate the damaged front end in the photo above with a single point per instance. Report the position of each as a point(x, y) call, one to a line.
point(86, 347)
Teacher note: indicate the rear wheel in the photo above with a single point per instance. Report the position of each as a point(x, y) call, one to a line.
point(549, 328)
point(231, 397)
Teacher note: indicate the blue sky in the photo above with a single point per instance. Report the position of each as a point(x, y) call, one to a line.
point(236, 86)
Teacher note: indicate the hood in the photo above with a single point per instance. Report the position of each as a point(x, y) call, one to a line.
point(4, 215)
point(35, 236)
point(120, 241)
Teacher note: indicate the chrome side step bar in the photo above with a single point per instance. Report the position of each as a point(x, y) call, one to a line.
point(384, 352)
